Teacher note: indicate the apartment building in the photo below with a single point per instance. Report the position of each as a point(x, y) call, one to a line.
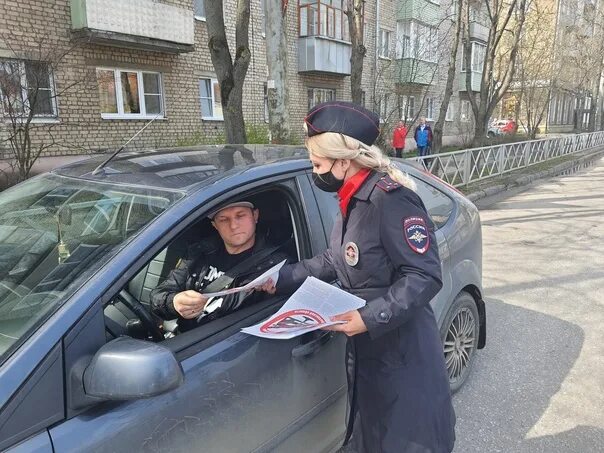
point(105, 68)
point(570, 90)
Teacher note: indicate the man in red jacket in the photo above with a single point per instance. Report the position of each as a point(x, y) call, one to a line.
point(398, 139)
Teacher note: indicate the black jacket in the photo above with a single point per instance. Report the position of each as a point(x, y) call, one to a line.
point(194, 267)
point(398, 384)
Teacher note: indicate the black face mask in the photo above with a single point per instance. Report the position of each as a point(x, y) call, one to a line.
point(327, 182)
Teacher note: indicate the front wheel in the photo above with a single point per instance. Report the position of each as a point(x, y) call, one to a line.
point(459, 334)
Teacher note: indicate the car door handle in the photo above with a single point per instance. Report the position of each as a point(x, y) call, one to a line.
point(312, 346)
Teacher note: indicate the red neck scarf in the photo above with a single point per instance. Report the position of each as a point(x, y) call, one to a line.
point(351, 187)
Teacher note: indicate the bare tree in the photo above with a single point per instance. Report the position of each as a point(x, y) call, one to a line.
point(230, 73)
point(506, 20)
point(535, 77)
point(451, 72)
point(276, 58)
point(355, 11)
point(29, 96)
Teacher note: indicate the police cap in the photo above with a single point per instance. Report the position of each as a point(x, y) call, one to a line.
point(344, 118)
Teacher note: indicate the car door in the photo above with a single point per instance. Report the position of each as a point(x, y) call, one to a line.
point(240, 393)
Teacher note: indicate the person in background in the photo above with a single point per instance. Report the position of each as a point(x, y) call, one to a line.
point(423, 137)
point(398, 139)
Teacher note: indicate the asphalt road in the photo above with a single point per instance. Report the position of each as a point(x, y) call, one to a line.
point(538, 386)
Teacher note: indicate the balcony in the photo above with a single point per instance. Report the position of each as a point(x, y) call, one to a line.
point(479, 31)
point(415, 71)
point(317, 54)
point(134, 24)
point(476, 81)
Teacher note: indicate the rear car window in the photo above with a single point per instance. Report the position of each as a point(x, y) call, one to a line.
point(439, 205)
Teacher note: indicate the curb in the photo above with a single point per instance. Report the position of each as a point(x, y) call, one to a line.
point(528, 179)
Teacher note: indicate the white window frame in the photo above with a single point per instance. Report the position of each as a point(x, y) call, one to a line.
point(450, 115)
point(25, 94)
point(407, 106)
point(474, 66)
point(430, 105)
point(197, 16)
point(120, 115)
point(385, 37)
point(465, 117)
point(416, 40)
point(383, 107)
point(214, 117)
point(314, 90)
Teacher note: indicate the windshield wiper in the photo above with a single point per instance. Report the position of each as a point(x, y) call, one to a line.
point(103, 164)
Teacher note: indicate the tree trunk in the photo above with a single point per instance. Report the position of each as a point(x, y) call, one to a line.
point(230, 75)
point(276, 59)
point(437, 140)
point(358, 52)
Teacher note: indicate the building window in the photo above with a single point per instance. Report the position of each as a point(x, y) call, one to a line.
point(430, 109)
point(200, 9)
point(211, 104)
point(465, 113)
point(477, 57)
point(129, 94)
point(403, 40)
point(26, 85)
point(406, 107)
point(325, 18)
point(363, 100)
point(318, 95)
point(384, 107)
point(415, 40)
point(384, 43)
point(450, 116)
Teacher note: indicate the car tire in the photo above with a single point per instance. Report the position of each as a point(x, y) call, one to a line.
point(491, 134)
point(459, 334)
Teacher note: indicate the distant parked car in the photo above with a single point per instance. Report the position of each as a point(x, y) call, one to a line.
point(84, 364)
point(506, 127)
point(493, 131)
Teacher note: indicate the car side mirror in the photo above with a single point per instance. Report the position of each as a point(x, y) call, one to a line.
point(126, 369)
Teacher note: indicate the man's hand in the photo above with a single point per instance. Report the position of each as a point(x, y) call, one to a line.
point(354, 323)
point(189, 304)
point(267, 287)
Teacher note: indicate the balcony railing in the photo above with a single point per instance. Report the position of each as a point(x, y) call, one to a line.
point(140, 24)
point(319, 54)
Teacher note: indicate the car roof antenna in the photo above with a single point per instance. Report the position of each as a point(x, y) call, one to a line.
point(104, 163)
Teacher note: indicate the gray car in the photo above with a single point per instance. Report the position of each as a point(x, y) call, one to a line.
point(86, 367)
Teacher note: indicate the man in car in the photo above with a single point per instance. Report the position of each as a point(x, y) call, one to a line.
point(211, 266)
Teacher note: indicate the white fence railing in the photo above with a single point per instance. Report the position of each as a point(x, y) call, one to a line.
point(459, 168)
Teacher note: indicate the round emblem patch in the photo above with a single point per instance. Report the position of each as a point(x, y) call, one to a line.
point(292, 320)
point(351, 254)
point(416, 234)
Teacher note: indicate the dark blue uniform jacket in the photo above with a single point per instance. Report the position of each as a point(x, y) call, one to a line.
point(398, 384)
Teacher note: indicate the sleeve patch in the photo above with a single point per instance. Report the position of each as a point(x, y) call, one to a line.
point(416, 234)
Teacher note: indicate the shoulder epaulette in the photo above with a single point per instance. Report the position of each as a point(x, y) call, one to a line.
point(387, 184)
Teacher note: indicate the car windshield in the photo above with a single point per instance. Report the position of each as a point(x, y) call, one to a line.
point(54, 232)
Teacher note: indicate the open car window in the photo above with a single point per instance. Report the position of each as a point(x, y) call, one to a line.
point(277, 226)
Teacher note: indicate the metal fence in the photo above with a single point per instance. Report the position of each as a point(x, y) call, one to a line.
point(459, 168)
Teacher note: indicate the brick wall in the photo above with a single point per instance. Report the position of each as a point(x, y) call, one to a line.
point(80, 128)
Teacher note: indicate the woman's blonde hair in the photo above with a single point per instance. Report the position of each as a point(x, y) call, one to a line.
point(333, 145)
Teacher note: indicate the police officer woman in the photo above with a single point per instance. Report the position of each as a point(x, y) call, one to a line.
point(382, 249)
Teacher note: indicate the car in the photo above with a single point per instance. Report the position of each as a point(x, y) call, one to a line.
point(506, 127)
point(493, 131)
point(85, 366)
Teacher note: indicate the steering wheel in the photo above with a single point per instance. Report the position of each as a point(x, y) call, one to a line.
point(139, 310)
